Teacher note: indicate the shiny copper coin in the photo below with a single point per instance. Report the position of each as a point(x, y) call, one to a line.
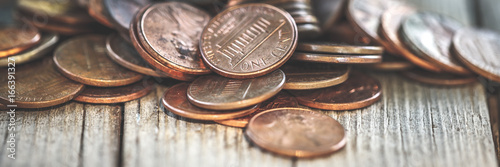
point(479, 50)
point(390, 63)
point(47, 44)
point(176, 101)
point(220, 93)
point(328, 11)
point(282, 99)
point(429, 36)
point(248, 41)
point(99, 95)
point(63, 11)
point(334, 48)
point(301, 76)
point(84, 59)
point(124, 54)
point(122, 12)
point(38, 85)
point(358, 91)
point(336, 58)
point(15, 39)
point(97, 11)
point(390, 22)
point(444, 79)
point(296, 132)
point(170, 33)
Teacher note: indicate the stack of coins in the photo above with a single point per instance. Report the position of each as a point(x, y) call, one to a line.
point(301, 11)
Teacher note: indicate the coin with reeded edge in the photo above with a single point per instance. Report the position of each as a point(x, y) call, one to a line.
point(444, 79)
point(47, 43)
point(38, 85)
point(109, 95)
point(84, 59)
point(479, 50)
point(124, 54)
point(248, 40)
point(98, 12)
point(359, 91)
point(170, 33)
point(282, 99)
point(390, 63)
point(176, 101)
point(296, 132)
point(301, 76)
point(336, 58)
point(17, 38)
point(122, 12)
point(64, 11)
point(335, 48)
point(429, 36)
point(220, 93)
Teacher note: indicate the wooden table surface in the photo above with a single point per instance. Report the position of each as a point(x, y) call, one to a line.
point(412, 125)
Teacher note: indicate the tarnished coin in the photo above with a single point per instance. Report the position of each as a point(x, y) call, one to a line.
point(479, 50)
point(335, 48)
point(170, 33)
point(336, 58)
point(296, 132)
point(98, 12)
point(99, 95)
point(65, 11)
point(314, 75)
point(248, 40)
point(17, 38)
point(390, 63)
point(282, 99)
point(84, 59)
point(124, 54)
point(444, 79)
point(220, 93)
point(176, 101)
point(429, 36)
point(38, 85)
point(328, 11)
point(47, 44)
point(122, 12)
point(358, 91)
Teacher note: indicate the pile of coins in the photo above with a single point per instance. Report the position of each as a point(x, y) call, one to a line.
point(252, 65)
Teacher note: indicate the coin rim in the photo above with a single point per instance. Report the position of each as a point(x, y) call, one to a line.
point(336, 58)
point(411, 74)
point(34, 53)
point(115, 99)
point(318, 84)
point(334, 48)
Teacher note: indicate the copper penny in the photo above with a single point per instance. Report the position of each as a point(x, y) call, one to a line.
point(170, 33)
point(84, 59)
point(282, 99)
point(359, 91)
point(335, 48)
point(176, 101)
point(99, 95)
point(429, 36)
point(336, 58)
point(479, 50)
point(391, 63)
point(153, 62)
point(296, 132)
point(390, 22)
point(328, 11)
point(314, 75)
point(344, 33)
point(39, 85)
point(98, 12)
point(65, 11)
point(248, 40)
point(17, 38)
point(220, 93)
point(124, 54)
point(122, 12)
point(47, 44)
point(444, 79)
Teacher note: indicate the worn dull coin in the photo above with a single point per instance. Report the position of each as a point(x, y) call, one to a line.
point(282, 99)
point(98, 12)
point(429, 35)
point(124, 54)
point(296, 132)
point(109, 95)
point(63, 11)
point(122, 12)
point(37, 85)
point(313, 75)
point(390, 63)
point(336, 58)
point(47, 43)
point(248, 40)
point(17, 38)
point(335, 48)
point(170, 33)
point(176, 101)
point(359, 91)
point(479, 50)
point(444, 79)
point(84, 59)
point(220, 93)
